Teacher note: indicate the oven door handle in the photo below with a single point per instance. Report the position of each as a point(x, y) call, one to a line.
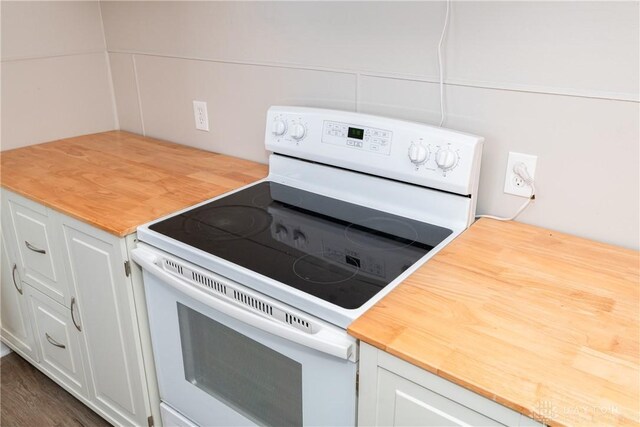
point(325, 340)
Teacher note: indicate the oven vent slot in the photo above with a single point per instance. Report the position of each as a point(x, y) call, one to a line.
point(173, 266)
point(253, 302)
point(295, 321)
point(241, 298)
point(209, 282)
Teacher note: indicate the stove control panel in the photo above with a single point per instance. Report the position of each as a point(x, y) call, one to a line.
point(358, 137)
point(417, 153)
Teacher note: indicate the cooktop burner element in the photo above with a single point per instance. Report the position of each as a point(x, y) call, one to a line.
point(337, 251)
point(318, 268)
point(228, 222)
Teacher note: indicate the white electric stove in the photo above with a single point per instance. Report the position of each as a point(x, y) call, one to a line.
point(249, 294)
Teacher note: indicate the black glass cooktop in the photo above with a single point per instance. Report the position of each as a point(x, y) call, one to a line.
point(334, 250)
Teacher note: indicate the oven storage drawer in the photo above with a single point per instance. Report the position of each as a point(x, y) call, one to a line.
point(172, 418)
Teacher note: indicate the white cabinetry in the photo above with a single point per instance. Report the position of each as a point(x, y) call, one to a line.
point(396, 393)
point(96, 266)
point(68, 306)
point(58, 342)
point(16, 322)
point(35, 240)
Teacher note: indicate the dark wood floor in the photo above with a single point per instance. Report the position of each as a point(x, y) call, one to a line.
point(28, 398)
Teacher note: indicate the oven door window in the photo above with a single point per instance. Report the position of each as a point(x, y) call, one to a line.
point(256, 381)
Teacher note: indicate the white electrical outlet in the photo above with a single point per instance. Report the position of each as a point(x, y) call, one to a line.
point(200, 115)
point(513, 184)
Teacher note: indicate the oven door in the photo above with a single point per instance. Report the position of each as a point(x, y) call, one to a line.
point(221, 365)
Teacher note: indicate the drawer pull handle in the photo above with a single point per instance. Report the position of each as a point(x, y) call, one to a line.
point(54, 342)
point(34, 249)
point(73, 316)
point(13, 277)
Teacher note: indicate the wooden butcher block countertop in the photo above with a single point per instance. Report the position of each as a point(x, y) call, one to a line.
point(542, 322)
point(117, 180)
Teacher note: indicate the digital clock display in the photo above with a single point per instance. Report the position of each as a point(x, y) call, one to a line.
point(356, 133)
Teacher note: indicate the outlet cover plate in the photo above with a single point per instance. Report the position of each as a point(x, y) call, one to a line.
point(510, 186)
point(200, 115)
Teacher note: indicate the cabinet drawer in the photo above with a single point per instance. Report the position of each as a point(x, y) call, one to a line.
point(58, 341)
point(38, 250)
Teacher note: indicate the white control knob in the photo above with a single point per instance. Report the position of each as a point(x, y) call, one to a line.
point(298, 132)
point(446, 159)
point(279, 127)
point(418, 154)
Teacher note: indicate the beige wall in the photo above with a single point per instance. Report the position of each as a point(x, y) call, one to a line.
point(55, 78)
point(554, 79)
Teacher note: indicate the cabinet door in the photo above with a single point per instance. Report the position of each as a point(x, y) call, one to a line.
point(108, 321)
point(404, 403)
point(396, 393)
point(58, 341)
point(16, 323)
point(36, 243)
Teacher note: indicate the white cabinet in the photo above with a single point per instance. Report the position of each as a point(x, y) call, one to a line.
point(58, 342)
point(396, 393)
point(405, 403)
point(35, 240)
point(115, 373)
point(16, 322)
point(70, 307)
